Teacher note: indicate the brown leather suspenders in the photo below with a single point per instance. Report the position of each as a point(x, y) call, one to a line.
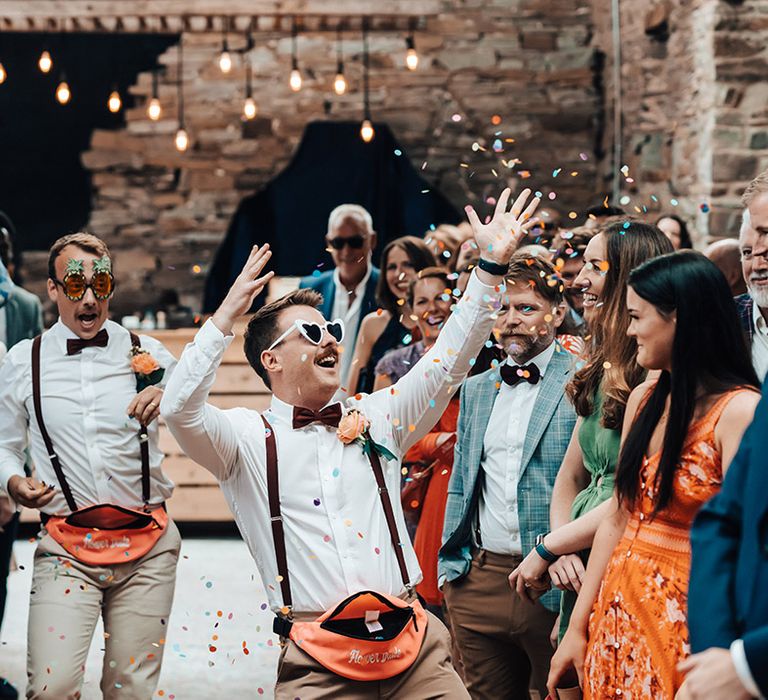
point(55, 463)
point(278, 532)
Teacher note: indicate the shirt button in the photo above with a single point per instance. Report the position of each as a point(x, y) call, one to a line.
point(616, 599)
point(616, 645)
point(629, 553)
point(618, 691)
point(642, 517)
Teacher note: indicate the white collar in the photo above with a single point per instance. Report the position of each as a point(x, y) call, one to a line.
point(759, 320)
point(62, 333)
point(284, 411)
point(360, 287)
point(541, 360)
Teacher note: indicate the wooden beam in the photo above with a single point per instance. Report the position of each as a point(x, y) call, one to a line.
point(63, 9)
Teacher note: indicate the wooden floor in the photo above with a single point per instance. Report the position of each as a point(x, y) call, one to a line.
point(197, 497)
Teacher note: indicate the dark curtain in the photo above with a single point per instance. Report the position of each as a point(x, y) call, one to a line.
point(332, 166)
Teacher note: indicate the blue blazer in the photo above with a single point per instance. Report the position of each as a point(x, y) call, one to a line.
point(23, 316)
point(324, 284)
point(546, 441)
point(728, 593)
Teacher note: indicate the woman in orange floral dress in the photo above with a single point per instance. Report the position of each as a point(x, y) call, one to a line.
point(628, 630)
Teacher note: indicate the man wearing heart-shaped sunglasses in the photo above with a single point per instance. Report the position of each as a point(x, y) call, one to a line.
point(336, 531)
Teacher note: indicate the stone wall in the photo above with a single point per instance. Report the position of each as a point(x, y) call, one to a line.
point(693, 106)
point(503, 94)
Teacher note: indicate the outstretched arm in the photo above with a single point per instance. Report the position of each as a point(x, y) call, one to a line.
point(417, 401)
point(204, 432)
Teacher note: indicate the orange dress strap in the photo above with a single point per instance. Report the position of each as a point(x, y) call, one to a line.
point(708, 422)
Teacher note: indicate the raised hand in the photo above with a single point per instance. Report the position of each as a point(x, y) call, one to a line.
point(499, 238)
point(244, 290)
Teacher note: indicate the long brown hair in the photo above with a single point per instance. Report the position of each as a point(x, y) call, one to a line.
point(611, 355)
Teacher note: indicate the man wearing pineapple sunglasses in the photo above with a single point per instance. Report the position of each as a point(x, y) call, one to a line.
point(78, 392)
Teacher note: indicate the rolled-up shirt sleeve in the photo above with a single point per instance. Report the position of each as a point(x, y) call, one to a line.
point(205, 433)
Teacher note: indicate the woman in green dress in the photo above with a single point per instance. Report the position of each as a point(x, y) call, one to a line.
point(599, 391)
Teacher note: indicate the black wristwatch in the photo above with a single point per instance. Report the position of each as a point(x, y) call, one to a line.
point(542, 551)
point(492, 268)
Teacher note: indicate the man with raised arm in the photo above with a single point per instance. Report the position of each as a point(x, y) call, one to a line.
point(331, 532)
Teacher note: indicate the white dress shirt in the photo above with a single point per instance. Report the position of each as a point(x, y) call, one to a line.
point(502, 458)
point(3, 325)
point(759, 343)
point(350, 314)
point(337, 540)
point(84, 402)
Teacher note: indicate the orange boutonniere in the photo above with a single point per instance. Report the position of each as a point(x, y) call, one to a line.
point(354, 427)
point(146, 368)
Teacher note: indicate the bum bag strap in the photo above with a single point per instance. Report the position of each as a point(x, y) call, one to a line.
point(389, 515)
point(143, 443)
point(43, 431)
point(278, 533)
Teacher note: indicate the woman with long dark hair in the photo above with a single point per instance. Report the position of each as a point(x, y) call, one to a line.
point(390, 326)
point(675, 228)
point(599, 392)
point(680, 433)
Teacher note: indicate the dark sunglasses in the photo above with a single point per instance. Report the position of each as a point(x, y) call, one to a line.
point(355, 242)
point(75, 285)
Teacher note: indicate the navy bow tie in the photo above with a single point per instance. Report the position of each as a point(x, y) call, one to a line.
point(514, 374)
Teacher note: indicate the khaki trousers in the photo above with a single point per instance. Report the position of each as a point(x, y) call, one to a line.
point(431, 677)
point(504, 641)
point(67, 598)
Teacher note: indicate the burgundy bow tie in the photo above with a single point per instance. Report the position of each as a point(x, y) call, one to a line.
point(513, 374)
point(75, 345)
point(330, 416)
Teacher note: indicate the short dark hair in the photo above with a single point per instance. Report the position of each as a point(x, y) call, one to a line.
point(85, 241)
point(263, 329)
point(539, 274)
point(428, 273)
point(420, 256)
point(603, 211)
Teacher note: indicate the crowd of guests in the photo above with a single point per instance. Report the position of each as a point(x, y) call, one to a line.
point(564, 413)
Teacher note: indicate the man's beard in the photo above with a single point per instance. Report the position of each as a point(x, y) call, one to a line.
point(759, 294)
point(521, 349)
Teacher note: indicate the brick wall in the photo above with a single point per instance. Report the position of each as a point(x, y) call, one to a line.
point(527, 61)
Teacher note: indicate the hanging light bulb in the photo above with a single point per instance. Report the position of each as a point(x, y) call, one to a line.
point(250, 110)
point(3, 74)
point(225, 60)
point(114, 103)
point(411, 57)
point(63, 93)
point(366, 131)
point(340, 84)
point(45, 62)
point(181, 140)
point(295, 80)
point(154, 110)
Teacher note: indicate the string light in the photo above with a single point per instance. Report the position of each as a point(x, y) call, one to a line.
point(45, 62)
point(340, 83)
point(181, 139)
point(3, 74)
point(366, 128)
point(225, 60)
point(114, 103)
point(250, 110)
point(295, 80)
point(411, 57)
point(63, 93)
point(154, 110)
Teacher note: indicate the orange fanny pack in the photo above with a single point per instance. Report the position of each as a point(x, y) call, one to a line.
point(103, 535)
point(367, 636)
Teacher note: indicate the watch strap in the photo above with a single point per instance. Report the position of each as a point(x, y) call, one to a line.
point(492, 268)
